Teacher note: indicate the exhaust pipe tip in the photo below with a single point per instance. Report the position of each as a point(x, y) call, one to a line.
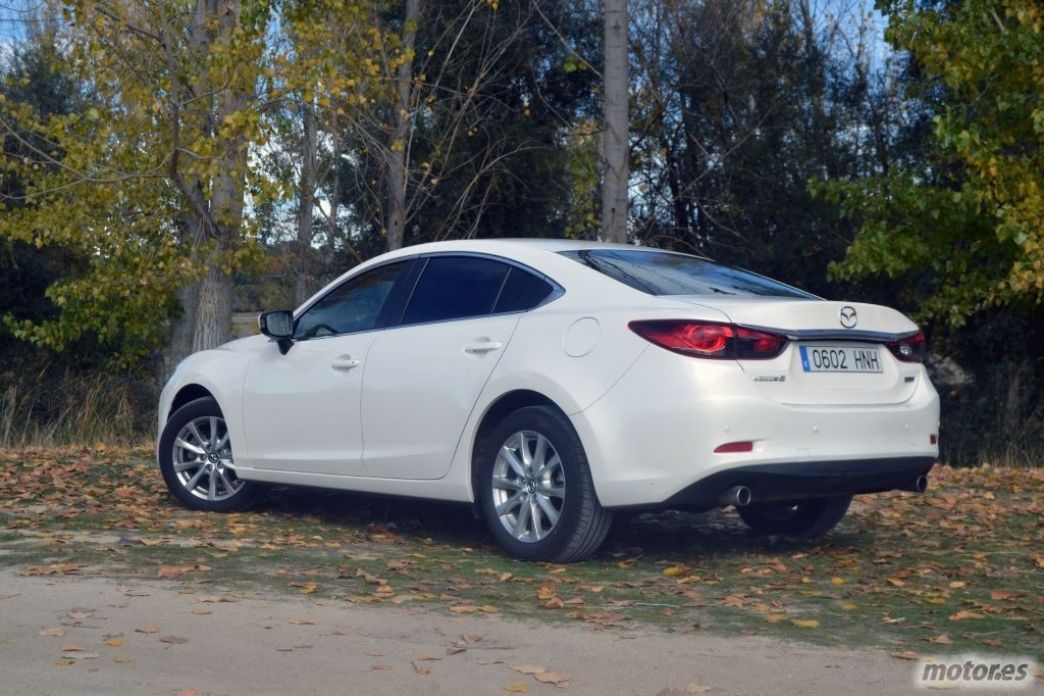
point(737, 495)
point(918, 485)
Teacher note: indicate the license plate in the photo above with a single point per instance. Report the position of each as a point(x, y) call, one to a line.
point(840, 359)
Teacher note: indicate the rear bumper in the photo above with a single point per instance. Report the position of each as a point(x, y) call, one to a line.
point(651, 439)
point(800, 480)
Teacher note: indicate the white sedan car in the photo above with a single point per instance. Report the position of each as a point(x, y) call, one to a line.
point(550, 382)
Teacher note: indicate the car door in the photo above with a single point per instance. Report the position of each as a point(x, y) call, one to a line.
point(423, 378)
point(301, 409)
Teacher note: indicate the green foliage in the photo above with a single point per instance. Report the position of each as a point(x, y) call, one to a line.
point(967, 221)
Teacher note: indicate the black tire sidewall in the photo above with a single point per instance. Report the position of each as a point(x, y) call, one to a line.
point(199, 408)
point(564, 439)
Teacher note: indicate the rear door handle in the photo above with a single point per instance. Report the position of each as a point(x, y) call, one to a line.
point(344, 363)
point(483, 347)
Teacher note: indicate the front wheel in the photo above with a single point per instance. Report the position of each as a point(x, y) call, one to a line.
point(804, 519)
point(535, 488)
point(197, 463)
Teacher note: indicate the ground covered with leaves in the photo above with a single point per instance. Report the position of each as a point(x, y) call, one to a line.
point(960, 568)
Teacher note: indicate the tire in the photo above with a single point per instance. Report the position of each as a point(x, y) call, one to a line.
point(199, 471)
point(548, 510)
point(802, 519)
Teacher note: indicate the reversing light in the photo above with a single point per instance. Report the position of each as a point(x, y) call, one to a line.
point(731, 447)
point(710, 339)
point(909, 349)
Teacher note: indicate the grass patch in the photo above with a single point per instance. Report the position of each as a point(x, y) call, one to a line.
point(956, 569)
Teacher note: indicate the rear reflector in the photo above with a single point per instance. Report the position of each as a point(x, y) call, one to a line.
point(909, 349)
point(933, 439)
point(710, 339)
point(730, 447)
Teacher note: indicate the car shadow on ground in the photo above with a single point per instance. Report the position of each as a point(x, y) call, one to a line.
point(650, 534)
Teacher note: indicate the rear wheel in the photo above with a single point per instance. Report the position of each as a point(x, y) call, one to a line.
point(196, 459)
point(535, 488)
point(805, 519)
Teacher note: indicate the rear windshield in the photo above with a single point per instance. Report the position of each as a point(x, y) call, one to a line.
point(663, 273)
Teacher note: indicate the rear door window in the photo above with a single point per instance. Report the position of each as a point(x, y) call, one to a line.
point(456, 287)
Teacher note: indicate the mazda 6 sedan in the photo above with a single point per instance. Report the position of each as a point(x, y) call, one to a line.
point(552, 382)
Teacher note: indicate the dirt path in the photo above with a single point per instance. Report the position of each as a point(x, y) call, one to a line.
point(150, 638)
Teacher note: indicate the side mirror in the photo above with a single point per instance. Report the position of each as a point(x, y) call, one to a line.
point(278, 325)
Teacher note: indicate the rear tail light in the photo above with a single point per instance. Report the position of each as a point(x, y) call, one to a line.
point(708, 339)
point(731, 447)
point(909, 349)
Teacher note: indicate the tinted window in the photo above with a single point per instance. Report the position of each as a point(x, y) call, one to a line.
point(352, 306)
point(522, 291)
point(661, 273)
point(452, 287)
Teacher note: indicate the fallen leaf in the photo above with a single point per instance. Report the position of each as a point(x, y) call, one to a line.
point(80, 614)
point(556, 678)
point(530, 669)
point(115, 642)
point(72, 647)
point(52, 632)
point(380, 667)
point(697, 689)
point(516, 688)
point(1004, 595)
point(464, 609)
point(674, 571)
point(488, 609)
point(942, 639)
point(957, 584)
point(420, 669)
point(906, 655)
point(173, 640)
point(964, 614)
point(837, 580)
point(121, 659)
point(805, 623)
point(150, 628)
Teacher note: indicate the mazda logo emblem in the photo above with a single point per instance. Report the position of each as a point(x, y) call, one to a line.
point(849, 318)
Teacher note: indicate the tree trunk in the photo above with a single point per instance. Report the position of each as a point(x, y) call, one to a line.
point(214, 311)
point(395, 165)
point(614, 112)
point(306, 202)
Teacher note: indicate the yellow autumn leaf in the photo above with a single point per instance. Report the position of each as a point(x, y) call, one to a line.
point(674, 571)
point(805, 623)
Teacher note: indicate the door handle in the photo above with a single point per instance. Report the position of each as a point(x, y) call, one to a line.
point(345, 363)
point(484, 347)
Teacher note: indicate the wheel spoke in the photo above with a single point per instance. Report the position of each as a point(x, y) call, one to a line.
point(505, 483)
point(185, 466)
point(513, 462)
point(213, 431)
point(522, 521)
point(551, 491)
point(191, 483)
point(534, 518)
point(509, 504)
point(229, 486)
point(554, 462)
point(222, 443)
point(548, 509)
point(194, 449)
point(539, 456)
point(195, 433)
point(212, 486)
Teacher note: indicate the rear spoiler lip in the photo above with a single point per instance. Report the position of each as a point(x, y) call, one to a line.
point(834, 334)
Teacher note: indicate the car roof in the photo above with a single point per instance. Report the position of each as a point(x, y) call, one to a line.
point(509, 243)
